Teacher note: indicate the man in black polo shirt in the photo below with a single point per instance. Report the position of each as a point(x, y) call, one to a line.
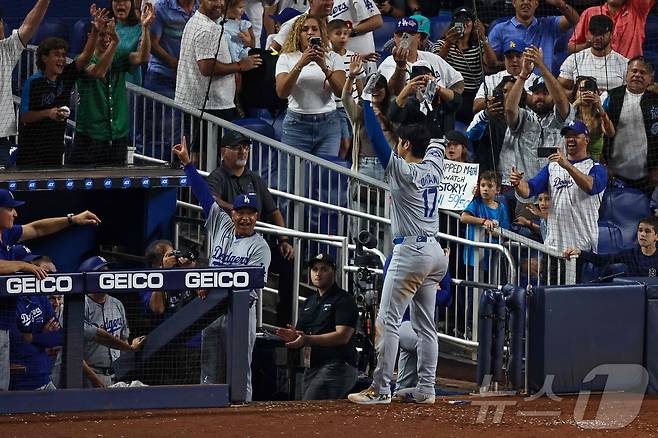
point(232, 178)
point(325, 333)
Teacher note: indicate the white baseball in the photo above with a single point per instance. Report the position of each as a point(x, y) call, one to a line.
point(65, 110)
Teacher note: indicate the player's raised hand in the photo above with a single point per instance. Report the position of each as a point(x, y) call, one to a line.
point(515, 177)
point(182, 152)
point(86, 218)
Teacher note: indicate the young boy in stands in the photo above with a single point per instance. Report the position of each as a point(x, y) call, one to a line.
point(641, 261)
point(339, 35)
point(47, 95)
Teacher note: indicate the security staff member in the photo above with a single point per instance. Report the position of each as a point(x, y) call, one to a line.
point(324, 333)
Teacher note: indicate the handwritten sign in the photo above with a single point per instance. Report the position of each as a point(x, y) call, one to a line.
point(455, 191)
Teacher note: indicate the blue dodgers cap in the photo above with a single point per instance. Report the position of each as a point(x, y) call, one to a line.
point(407, 24)
point(285, 15)
point(95, 263)
point(7, 199)
point(23, 253)
point(577, 126)
point(514, 45)
point(245, 201)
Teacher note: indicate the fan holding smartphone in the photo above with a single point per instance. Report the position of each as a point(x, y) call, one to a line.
point(590, 110)
point(574, 184)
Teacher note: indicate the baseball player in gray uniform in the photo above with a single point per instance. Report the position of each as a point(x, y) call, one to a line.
point(106, 331)
point(233, 242)
point(417, 263)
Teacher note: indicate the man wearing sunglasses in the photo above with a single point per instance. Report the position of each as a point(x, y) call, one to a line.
point(231, 178)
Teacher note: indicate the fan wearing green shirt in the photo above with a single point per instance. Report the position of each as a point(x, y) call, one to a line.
point(101, 137)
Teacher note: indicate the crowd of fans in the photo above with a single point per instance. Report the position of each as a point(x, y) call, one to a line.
point(548, 145)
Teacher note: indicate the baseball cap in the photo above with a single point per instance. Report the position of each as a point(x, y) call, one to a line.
point(407, 24)
point(457, 136)
point(600, 24)
point(23, 253)
point(576, 126)
point(245, 201)
point(322, 258)
point(463, 11)
point(7, 199)
point(538, 85)
point(513, 45)
point(232, 138)
point(423, 23)
point(285, 15)
point(95, 263)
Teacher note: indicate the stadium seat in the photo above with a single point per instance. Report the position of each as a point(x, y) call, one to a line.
point(624, 208)
point(438, 26)
point(78, 37)
point(52, 28)
point(610, 238)
point(384, 33)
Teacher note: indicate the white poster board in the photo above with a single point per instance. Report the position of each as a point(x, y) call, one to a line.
point(455, 191)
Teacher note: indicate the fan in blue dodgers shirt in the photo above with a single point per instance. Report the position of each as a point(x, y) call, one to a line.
point(234, 243)
point(36, 330)
point(10, 234)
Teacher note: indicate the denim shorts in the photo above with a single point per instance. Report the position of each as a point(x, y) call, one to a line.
point(317, 134)
point(345, 124)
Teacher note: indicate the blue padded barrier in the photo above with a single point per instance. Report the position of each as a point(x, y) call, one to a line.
point(51, 28)
point(574, 329)
point(78, 37)
point(650, 344)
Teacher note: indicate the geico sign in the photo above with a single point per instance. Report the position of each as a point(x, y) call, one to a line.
point(139, 280)
point(31, 285)
point(195, 280)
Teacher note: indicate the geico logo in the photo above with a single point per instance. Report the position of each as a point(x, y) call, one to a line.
point(138, 280)
point(216, 279)
point(35, 286)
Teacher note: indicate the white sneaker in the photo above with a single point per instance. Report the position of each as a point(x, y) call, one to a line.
point(410, 395)
point(369, 397)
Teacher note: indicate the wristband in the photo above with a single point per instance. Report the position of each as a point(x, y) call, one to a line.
point(69, 217)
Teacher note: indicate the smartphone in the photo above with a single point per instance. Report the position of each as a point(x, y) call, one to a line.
point(372, 81)
point(589, 84)
point(430, 91)
point(499, 95)
point(459, 27)
point(417, 71)
point(315, 42)
point(405, 41)
point(546, 152)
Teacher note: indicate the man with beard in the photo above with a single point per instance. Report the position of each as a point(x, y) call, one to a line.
point(599, 62)
point(536, 127)
point(629, 17)
point(575, 184)
point(632, 154)
point(513, 52)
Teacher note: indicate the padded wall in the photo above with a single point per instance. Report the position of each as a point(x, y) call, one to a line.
point(573, 329)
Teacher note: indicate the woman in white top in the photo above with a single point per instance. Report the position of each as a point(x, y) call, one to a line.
point(309, 76)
